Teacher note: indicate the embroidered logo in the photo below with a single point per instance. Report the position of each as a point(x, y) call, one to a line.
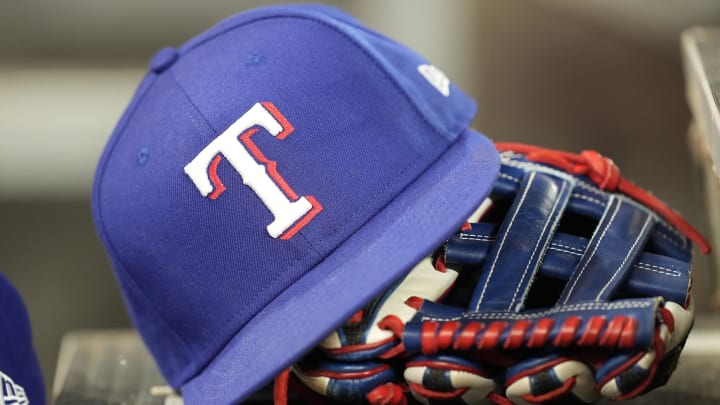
point(436, 77)
point(11, 393)
point(291, 212)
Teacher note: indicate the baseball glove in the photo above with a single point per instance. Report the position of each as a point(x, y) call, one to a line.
point(568, 284)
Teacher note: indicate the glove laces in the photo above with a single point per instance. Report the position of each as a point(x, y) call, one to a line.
point(280, 388)
point(387, 394)
point(606, 175)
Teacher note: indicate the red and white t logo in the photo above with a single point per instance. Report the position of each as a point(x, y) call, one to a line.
point(291, 211)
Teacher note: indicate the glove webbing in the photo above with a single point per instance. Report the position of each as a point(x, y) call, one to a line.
point(603, 172)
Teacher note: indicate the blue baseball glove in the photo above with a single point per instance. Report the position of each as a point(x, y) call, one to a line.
point(568, 284)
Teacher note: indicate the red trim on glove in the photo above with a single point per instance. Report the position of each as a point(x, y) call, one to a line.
point(659, 347)
point(446, 334)
point(466, 337)
point(516, 335)
point(428, 342)
point(619, 370)
point(567, 386)
point(437, 395)
point(358, 347)
point(387, 394)
point(628, 334)
point(492, 335)
point(605, 174)
point(445, 365)
point(613, 331)
point(280, 388)
point(499, 399)
point(566, 335)
point(541, 333)
point(440, 265)
point(592, 331)
point(394, 324)
point(535, 370)
point(357, 317)
point(414, 302)
point(347, 375)
point(620, 332)
point(668, 319)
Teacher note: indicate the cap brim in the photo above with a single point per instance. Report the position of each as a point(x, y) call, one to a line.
point(415, 223)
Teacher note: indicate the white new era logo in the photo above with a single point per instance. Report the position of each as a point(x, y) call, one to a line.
point(436, 77)
point(11, 393)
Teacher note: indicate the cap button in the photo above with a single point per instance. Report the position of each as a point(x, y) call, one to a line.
point(163, 59)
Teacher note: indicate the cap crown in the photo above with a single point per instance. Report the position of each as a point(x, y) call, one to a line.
point(249, 155)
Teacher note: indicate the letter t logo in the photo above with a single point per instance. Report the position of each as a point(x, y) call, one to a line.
point(291, 212)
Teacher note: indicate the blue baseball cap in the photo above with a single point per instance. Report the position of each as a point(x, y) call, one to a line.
point(271, 176)
point(21, 382)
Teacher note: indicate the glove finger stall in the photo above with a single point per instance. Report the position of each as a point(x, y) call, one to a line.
point(551, 377)
point(448, 379)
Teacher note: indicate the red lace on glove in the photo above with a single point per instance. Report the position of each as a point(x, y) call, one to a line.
point(387, 394)
point(605, 174)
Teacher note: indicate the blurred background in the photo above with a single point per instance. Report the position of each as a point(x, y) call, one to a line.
point(605, 75)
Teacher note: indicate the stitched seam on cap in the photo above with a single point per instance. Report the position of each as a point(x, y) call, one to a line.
point(349, 39)
point(100, 176)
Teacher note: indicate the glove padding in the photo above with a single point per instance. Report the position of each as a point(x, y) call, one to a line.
point(357, 361)
point(573, 285)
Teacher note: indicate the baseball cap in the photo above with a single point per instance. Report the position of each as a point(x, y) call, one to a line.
point(268, 178)
point(21, 382)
